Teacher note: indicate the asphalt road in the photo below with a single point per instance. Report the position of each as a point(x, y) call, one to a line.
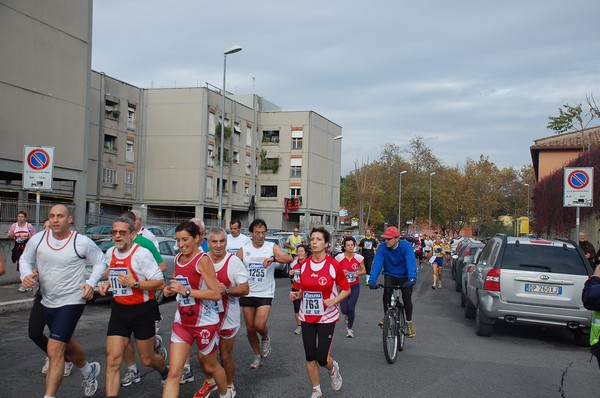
point(445, 359)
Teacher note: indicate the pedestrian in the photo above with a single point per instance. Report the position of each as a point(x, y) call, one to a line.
point(61, 256)
point(293, 241)
point(354, 266)
point(258, 256)
point(368, 247)
point(133, 277)
point(396, 260)
point(303, 251)
point(323, 285)
point(20, 231)
point(591, 301)
point(233, 283)
point(588, 249)
point(197, 318)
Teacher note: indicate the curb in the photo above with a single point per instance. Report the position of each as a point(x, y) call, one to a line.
point(16, 305)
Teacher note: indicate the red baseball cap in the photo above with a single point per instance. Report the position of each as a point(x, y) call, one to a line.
point(391, 232)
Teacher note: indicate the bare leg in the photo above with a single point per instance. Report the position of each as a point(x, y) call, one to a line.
point(115, 346)
point(56, 355)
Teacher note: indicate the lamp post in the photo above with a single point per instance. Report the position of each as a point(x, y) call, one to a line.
point(232, 50)
point(430, 175)
point(527, 185)
point(336, 138)
point(400, 199)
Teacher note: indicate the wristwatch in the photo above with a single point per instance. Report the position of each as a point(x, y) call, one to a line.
point(187, 293)
point(136, 284)
point(227, 290)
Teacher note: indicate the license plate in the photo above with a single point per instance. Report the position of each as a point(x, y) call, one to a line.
point(543, 289)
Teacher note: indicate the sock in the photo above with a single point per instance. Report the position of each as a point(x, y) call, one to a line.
point(48, 396)
point(86, 371)
point(317, 387)
point(211, 380)
point(408, 321)
point(133, 368)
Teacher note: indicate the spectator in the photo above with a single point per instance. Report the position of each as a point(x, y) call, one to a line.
point(588, 249)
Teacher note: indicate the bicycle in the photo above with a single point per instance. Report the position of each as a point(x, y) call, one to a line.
point(394, 325)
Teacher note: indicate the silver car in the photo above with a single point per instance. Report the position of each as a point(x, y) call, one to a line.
point(281, 268)
point(525, 280)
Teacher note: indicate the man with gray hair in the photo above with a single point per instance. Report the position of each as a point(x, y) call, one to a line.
point(140, 230)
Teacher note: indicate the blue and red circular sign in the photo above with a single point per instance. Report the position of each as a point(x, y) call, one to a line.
point(38, 159)
point(578, 179)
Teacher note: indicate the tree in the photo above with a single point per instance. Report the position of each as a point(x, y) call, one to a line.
point(574, 118)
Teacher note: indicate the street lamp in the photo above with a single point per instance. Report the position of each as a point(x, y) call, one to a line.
point(430, 175)
point(527, 185)
point(232, 50)
point(400, 199)
point(336, 138)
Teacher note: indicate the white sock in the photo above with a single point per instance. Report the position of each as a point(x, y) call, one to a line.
point(317, 387)
point(48, 396)
point(86, 371)
point(133, 368)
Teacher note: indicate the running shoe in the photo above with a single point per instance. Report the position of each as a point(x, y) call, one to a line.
point(350, 333)
point(439, 286)
point(68, 369)
point(298, 330)
point(380, 324)
point(164, 375)
point(258, 361)
point(316, 393)
point(232, 390)
point(90, 383)
point(336, 377)
point(157, 325)
point(46, 366)
point(265, 347)
point(206, 389)
point(131, 377)
point(433, 287)
point(187, 376)
point(410, 330)
point(159, 347)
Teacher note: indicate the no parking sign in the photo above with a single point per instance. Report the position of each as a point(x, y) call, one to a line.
point(38, 166)
point(578, 187)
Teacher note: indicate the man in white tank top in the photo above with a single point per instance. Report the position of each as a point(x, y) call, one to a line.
point(60, 256)
point(258, 256)
point(236, 238)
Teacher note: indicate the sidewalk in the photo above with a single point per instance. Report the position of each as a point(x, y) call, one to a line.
point(12, 300)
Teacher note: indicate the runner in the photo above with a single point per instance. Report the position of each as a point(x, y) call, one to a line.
point(303, 252)
point(447, 250)
point(368, 246)
point(257, 256)
point(427, 247)
point(233, 283)
point(197, 317)
point(321, 277)
point(437, 261)
point(236, 239)
point(61, 256)
point(133, 278)
point(353, 266)
point(418, 248)
point(20, 231)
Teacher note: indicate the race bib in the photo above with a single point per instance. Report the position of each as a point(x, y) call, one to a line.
point(183, 301)
point(351, 276)
point(257, 272)
point(312, 303)
point(233, 250)
point(368, 245)
point(297, 275)
point(115, 286)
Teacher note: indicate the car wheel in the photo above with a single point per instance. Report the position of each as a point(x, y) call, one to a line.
point(481, 328)
point(581, 337)
point(469, 309)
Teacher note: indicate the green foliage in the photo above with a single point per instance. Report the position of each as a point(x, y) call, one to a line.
point(565, 120)
point(268, 164)
point(227, 136)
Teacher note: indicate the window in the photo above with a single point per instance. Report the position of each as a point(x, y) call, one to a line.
point(129, 177)
point(249, 136)
point(109, 176)
point(236, 128)
point(111, 108)
point(225, 188)
point(246, 194)
point(297, 138)
point(110, 142)
point(270, 137)
point(236, 157)
point(209, 187)
point(296, 171)
point(129, 155)
point(248, 165)
point(234, 186)
point(211, 124)
point(295, 192)
point(131, 117)
point(268, 191)
point(211, 155)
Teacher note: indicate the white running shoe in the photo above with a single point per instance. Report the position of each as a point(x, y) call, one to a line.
point(131, 377)
point(258, 361)
point(46, 366)
point(336, 377)
point(350, 333)
point(316, 393)
point(298, 330)
point(90, 383)
point(159, 348)
point(187, 376)
point(265, 347)
point(68, 369)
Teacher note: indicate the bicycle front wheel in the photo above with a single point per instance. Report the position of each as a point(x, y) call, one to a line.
point(401, 330)
point(390, 336)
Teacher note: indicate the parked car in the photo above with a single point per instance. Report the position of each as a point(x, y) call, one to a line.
point(98, 232)
point(456, 255)
point(166, 248)
point(280, 268)
point(469, 263)
point(156, 230)
point(459, 263)
point(524, 280)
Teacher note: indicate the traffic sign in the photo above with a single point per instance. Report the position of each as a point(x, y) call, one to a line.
point(38, 168)
point(578, 187)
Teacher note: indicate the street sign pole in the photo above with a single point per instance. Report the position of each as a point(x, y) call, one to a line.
point(578, 191)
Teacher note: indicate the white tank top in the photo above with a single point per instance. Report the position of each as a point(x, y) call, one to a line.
point(262, 280)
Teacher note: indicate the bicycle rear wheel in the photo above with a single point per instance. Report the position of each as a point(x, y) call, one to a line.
point(390, 336)
point(401, 330)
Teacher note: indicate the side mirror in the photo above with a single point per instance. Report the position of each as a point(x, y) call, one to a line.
point(455, 257)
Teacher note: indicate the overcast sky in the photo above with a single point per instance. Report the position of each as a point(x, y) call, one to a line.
point(471, 77)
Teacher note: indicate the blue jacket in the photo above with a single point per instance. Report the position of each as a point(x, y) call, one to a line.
point(591, 294)
point(399, 263)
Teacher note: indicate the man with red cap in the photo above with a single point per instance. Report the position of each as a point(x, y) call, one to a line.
point(397, 259)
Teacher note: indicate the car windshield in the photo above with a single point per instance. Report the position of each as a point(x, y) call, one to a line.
point(554, 259)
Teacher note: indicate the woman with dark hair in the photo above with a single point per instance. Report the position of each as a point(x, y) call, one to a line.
point(197, 317)
point(302, 252)
point(353, 265)
point(321, 278)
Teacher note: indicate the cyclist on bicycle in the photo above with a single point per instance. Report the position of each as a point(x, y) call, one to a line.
point(397, 259)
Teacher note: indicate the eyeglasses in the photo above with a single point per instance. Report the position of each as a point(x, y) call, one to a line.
point(116, 233)
point(296, 231)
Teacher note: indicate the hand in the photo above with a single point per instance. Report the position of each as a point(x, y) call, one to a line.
point(409, 283)
point(103, 288)
point(294, 296)
point(126, 279)
point(372, 284)
point(88, 292)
